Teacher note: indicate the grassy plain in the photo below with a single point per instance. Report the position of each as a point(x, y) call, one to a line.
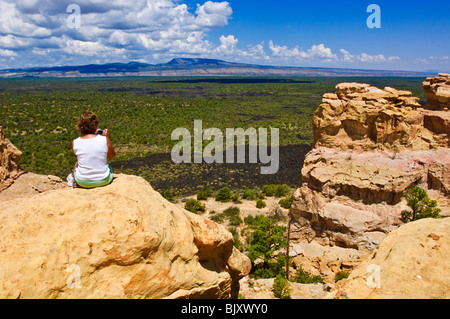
point(39, 116)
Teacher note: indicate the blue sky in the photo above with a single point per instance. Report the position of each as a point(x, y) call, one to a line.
point(414, 35)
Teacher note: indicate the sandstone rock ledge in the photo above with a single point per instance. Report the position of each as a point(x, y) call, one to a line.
point(412, 262)
point(125, 239)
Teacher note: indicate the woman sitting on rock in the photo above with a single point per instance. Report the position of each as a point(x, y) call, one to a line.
point(93, 149)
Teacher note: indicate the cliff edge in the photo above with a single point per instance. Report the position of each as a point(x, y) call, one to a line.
point(123, 240)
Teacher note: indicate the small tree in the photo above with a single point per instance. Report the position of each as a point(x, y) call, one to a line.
point(269, 190)
point(276, 190)
point(287, 202)
point(304, 277)
point(265, 240)
point(288, 244)
point(260, 204)
point(223, 195)
point(194, 206)
point(422, 206)
point(281, 288)
point(204, 194)
point(249, 194)
point(232, 214)
point(282, 190)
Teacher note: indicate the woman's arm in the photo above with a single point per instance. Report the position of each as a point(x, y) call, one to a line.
point(75, 166)
point(111, 152)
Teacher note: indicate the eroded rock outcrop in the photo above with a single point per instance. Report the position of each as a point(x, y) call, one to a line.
point(411, 262)
point(9, 161)
point(363, 117)
point(438, 91)
point(15, 183)
point(121, 241)
point(370, 145)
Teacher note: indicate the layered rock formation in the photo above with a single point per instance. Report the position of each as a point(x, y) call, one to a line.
point(370, 145)
point(438, 91)
point(363, 117)
point(15, 183)
point(9, 161)
point(120, 241)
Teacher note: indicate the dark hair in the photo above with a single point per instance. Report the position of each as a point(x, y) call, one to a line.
point(87, 123)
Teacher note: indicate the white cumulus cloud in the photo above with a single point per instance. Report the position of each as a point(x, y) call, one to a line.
point(366, 58)
point(121, 29)
point(13, 22)
point(318, 51)
point(37, 32)
point(213, 14)
point(7, 53)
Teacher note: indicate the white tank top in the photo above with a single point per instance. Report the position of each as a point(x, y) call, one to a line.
point(92, 161)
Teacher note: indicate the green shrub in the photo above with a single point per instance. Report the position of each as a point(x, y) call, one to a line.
point(304, 277)
point(218, 218)
point(287, 202)
point(209, 192)
point(232, 214)
point(281, 288)
point(250, 220)
point(260, 203)
point(421, 205)
point(341, 275)
point(204, 194)
point(282, 190)
point(269, 190)
point(264, 240)
point(201, 195)
point(194, 206)
point(235, 198)
point(249, 194)
point(167, 194)
point(223, 195)
point(278, 190)
point(237, 242)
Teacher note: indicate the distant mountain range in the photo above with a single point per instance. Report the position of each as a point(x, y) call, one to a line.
point(194, 67)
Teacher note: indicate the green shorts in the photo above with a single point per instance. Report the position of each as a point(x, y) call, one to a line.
point(100, 183)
